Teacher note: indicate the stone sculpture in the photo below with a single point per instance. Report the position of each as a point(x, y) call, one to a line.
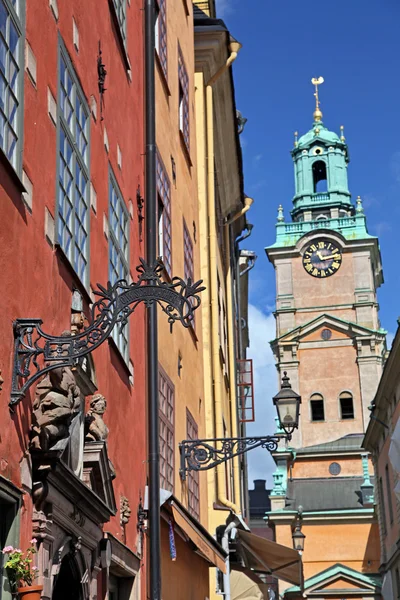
point(57, 402)
point(96, 429)
point(124, 510)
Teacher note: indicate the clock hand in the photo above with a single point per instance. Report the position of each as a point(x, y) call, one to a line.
point(330, 257)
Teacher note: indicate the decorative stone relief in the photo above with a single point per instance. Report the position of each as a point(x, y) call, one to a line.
point(125, 511)
point(96, 429)
point(57, 402)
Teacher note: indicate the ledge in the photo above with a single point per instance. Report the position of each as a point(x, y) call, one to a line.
point(12, 173)
point(185, 149)
point(163, 77)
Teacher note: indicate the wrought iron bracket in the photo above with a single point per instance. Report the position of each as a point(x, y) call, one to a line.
point(37, 352)
point(202, 455)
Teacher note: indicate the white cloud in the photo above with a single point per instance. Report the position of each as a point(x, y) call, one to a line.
point(256, 159)
point(389, 339)
point(262, 330)
point(224, 8)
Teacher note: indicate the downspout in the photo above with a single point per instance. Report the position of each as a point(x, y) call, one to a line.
point(213, 244)
point(242, 427)
point(247, 203)
point(230, 315)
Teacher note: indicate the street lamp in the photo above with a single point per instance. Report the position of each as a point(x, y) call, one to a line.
point(298, 536)
point(201, 455)
point(287, 404)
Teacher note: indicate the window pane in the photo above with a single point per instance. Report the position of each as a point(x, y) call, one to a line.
point(120, 11)
point(118, 266)
point(317, 408)
point(166, 431)
point(183, 99)
point(73, 180)
point(164, 216)
point(10, 61)
point(346, 406)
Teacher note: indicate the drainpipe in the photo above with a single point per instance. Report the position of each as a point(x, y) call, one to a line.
point(248, 229)
point(213, 244)
point(247, 203)
point(225, 545)
point(230, 316)
point(242, 426)
point(251, 262)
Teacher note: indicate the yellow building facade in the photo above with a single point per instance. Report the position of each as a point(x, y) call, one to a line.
point(223, 206)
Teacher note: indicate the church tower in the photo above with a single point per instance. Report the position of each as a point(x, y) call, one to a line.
point(329, 340)
point(328, 268)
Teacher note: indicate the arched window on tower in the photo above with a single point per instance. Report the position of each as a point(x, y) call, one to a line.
point(317, 407)
point(319, 176)
point(346, 405)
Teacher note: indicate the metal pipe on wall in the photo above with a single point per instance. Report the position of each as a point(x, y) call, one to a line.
point(152, 333)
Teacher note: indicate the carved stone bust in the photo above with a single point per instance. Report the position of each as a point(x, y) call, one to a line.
point(56, 403)
point(96, 429)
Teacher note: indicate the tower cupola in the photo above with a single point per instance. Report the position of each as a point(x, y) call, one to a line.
point(320, 160)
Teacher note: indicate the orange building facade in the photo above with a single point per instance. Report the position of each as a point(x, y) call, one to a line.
point(382, 439)
point(330, 343)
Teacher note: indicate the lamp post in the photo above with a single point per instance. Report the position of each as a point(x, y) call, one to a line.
point(201, 455)
point(298, 536)
point(287, 404)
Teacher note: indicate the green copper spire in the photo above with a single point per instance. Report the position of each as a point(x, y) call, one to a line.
point(322, 198)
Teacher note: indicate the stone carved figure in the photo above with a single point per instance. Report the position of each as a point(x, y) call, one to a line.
point(96, 429)
point(57, 402)
point(124, 510)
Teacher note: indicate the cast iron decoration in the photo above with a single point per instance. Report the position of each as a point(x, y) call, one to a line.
point(40, 352)
point(201, 455)
point(101, 73)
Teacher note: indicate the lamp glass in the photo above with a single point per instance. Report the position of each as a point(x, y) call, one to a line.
point(298, 540)
point(288, 412)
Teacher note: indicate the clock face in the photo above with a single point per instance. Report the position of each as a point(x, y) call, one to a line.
point(322, 258)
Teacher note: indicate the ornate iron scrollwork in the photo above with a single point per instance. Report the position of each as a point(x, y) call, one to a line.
point(34, 348)
point(201, 455)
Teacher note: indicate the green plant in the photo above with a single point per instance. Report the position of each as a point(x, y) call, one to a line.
point(19, 567)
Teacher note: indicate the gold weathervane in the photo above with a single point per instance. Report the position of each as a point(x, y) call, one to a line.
point(317, 113)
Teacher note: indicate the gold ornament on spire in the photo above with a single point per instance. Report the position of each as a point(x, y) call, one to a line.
point(317, 113)
point(296, 133)
point(342, 138)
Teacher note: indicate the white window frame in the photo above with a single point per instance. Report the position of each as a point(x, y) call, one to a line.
point(13, 86)
point(118, 232)
point(73, 170)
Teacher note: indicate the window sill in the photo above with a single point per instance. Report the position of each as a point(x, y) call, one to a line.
point(192, 332)
point(118, 353)
point(12, 173)
point(74, 276)
point(185, 149)
point(163, 77)
point(186, 6)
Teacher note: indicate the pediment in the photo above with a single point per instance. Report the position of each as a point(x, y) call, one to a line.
point(340, 579)
point(98, 472)
point(344, 329)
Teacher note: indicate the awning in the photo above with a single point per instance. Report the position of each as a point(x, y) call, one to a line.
point(264, 556)
point(245, 585)
point(198, 538)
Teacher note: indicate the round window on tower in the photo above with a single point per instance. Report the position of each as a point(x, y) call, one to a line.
point(334, 468)
point(317, 150)
point(326, 334)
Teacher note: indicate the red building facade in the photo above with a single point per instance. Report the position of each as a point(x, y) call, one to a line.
point(72, 162)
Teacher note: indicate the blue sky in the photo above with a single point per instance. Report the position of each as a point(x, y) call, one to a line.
point(355, 46)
